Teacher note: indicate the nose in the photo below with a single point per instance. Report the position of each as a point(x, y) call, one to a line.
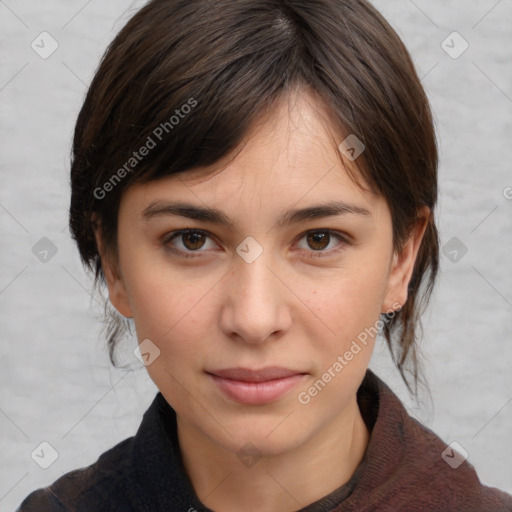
point(256, 301)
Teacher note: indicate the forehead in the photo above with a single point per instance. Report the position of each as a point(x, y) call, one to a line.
point(290, 157)
point(296, 139)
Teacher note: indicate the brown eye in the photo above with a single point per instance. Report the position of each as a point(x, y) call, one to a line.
point(193, 241)
point(318, 240)
point(188, 243)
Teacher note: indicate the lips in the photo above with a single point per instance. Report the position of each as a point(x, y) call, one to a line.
point(263, 375)
point(254, 387)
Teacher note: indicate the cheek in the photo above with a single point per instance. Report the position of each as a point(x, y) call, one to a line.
point(161, 298)
point(347, 318)
point(351, 311)
point(165, 307)
point(174, 314)
point(350, 297)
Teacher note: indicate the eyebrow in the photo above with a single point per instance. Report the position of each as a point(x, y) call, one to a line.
point(215, 216)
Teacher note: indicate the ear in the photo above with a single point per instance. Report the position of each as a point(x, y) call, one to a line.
point(402, 265)
point(116, 287)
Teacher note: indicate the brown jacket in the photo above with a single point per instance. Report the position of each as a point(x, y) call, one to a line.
point(406, 468)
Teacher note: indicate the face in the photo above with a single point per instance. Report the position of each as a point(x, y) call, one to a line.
point(264, 323)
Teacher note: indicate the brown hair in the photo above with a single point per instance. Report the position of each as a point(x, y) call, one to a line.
point(193, 76)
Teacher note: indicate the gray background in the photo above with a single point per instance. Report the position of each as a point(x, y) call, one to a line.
point(56, 384)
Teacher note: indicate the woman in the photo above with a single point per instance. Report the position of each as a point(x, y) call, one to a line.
point(255, 182)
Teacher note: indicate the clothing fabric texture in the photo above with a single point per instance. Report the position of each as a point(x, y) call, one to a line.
point(402, 470)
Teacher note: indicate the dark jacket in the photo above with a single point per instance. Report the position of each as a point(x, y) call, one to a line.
point(406, 467)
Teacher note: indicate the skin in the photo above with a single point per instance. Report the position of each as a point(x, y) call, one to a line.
point(287, 308)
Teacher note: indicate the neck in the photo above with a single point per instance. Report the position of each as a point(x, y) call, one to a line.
point(285, 482)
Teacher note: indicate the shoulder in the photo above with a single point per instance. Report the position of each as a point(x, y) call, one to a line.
point(96, 487)
point(409, 467)
point(453, 482)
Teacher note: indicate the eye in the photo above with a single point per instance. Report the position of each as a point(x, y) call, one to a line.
point(191, 240)
point(319, 240)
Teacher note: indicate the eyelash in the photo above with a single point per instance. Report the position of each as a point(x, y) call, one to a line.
point(194, 254)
